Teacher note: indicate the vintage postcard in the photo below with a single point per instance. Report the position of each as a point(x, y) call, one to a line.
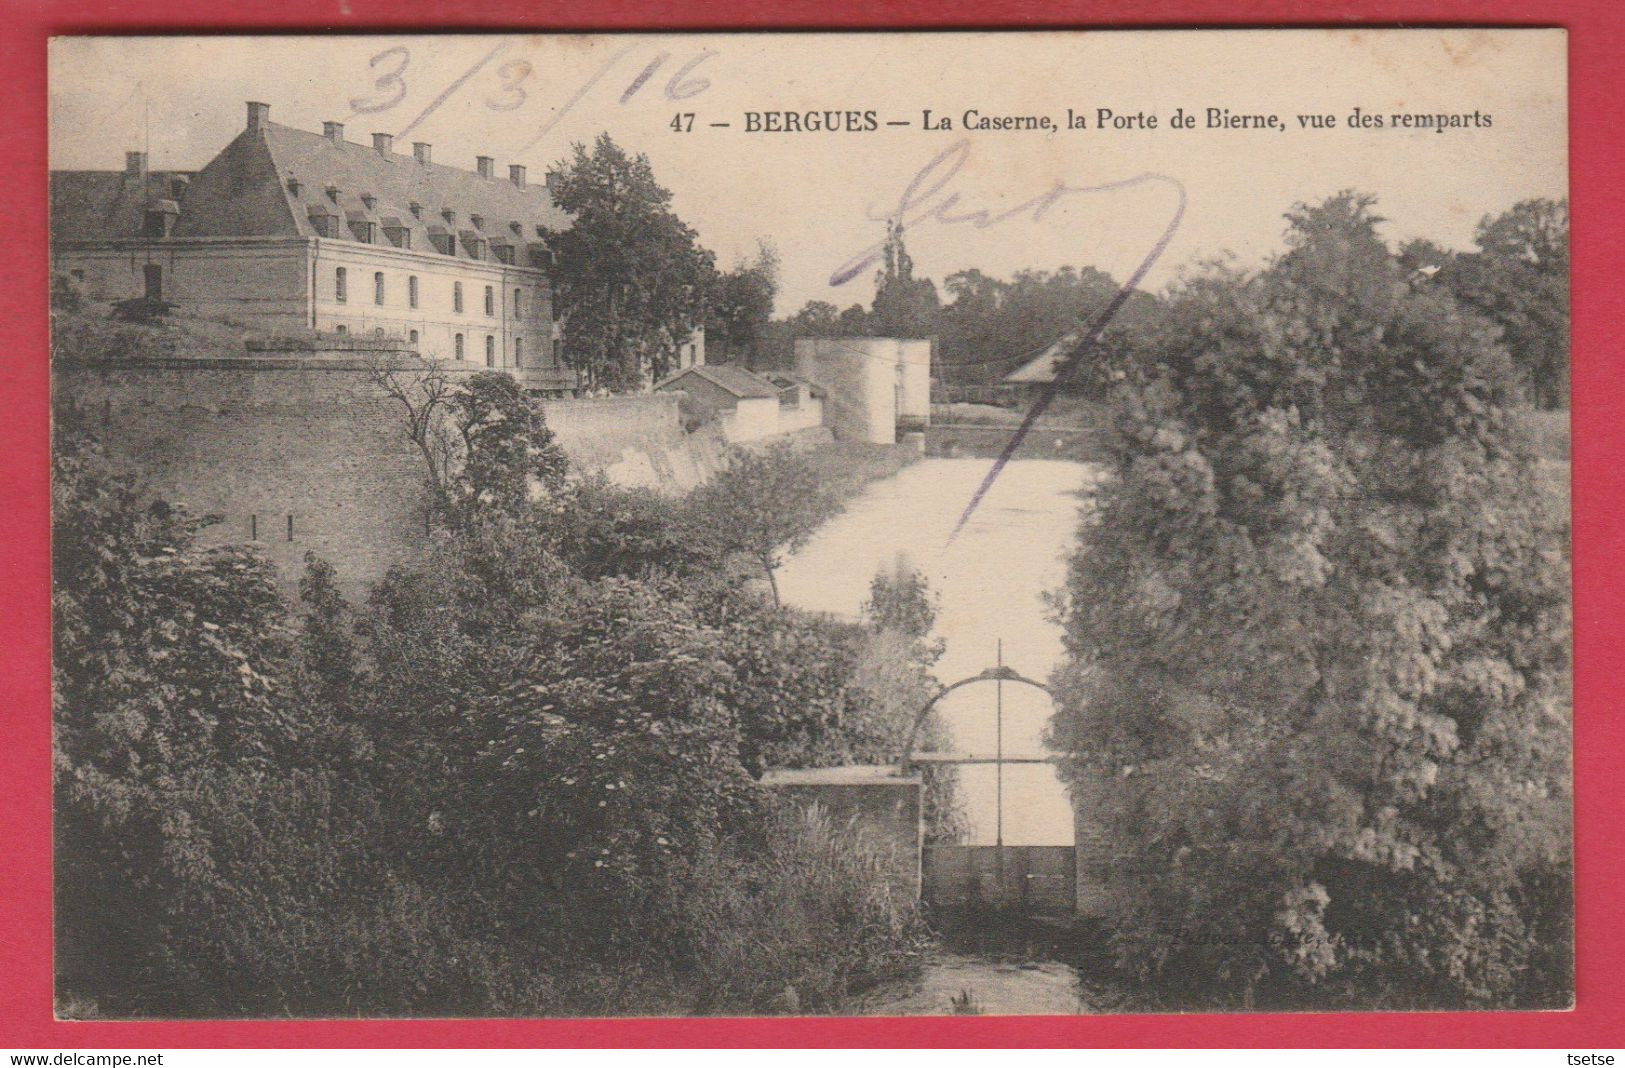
point(810, 524)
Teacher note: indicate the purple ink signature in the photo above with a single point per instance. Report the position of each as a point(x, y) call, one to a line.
point(925, 200)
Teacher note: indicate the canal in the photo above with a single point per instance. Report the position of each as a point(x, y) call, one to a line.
point(992, 580)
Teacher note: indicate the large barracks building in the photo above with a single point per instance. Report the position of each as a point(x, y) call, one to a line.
point(289, 231)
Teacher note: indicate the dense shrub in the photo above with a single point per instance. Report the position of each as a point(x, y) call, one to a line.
point(517, 780)
point(762, 918)
point(1318, 636)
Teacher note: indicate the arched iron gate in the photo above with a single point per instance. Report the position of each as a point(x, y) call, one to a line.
point(1030, 880)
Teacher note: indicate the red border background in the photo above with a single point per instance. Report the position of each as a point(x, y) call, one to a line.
point(1598, 209)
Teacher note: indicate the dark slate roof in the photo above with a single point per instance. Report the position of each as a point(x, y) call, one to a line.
point(735, 380)
point(105, 205)
point(395, 182)
point(245, 192)
point(786, 382)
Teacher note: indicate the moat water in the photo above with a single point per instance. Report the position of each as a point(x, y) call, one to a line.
point(992, 580)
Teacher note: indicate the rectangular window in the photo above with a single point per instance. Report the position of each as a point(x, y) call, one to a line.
point(412, 290)
point(518, 304)
point(490, 301)
point(457, 297)
point(343, 329)
point(490, 351)
point(378, 287)
point(558, 354)
point(518, 352)
point(412, 338)
point(341, 286)
point(459, 346)
point(253, 526)
point(290, 528)
point(153, 277)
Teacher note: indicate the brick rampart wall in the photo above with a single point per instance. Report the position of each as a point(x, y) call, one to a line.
point(258, 439)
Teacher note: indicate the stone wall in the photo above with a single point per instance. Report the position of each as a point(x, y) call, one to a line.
point(304, 452)
point(294, 456)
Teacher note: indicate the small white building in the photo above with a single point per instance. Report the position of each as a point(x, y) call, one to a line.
point(745, 407)
point(801, 404)
point(874, 386)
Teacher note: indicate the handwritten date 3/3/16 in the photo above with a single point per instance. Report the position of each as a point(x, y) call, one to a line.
point(515, 83)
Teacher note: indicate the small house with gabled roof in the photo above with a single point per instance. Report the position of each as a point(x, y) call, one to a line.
point(745, 405)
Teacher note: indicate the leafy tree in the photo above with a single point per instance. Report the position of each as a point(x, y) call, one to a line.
point(741, 308)
point(791, 676)
point(904, 306)
point(1519, 279)
point(515, 780)
point(991, 324)
point(631, 278)
point(854, 322)
point(763, 505)
point(485, 444)
point(507, 450)
point(1317, 629)
point(817, 318)
point(166, 654)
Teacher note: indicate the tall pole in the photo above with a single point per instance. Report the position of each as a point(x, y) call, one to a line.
point(998, 766)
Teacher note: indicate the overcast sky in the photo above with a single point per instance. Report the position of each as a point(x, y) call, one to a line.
point(818, 196)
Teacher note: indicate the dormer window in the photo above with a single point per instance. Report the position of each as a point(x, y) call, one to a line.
point(323, 221)
point(362, 228)
point(448, 215)
point(157, 223)
point(504, 253)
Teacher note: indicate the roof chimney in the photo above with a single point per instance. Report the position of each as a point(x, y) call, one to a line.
point(135, 164)
point(516, 174)
point(552, 180)
point(258, 115)
point(384, 143)
point(485, 165)
point(420, 149)
point(333, 131)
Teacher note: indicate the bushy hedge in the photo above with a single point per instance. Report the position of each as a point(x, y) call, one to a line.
point(1318, 633)
point(517, 780)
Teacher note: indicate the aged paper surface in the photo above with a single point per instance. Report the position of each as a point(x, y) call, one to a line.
point(821, 523)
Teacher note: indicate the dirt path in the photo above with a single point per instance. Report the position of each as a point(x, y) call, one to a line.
point(997, 988)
